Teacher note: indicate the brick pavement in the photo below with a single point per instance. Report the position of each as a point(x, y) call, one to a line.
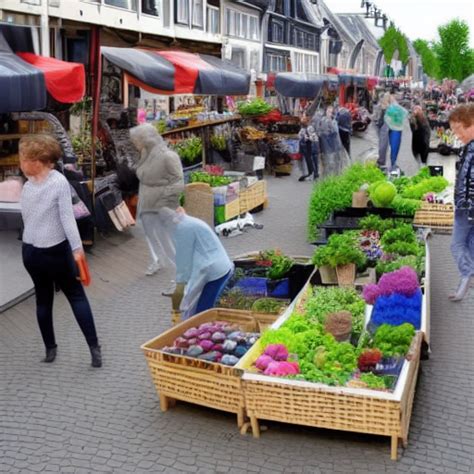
point(68, 417)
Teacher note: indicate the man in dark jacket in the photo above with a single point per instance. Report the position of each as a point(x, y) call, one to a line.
point(462, 247)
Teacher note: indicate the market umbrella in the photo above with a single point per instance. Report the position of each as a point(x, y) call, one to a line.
point(179, 72)
point(290, 84)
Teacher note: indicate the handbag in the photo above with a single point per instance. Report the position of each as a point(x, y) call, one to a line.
point(79, 209)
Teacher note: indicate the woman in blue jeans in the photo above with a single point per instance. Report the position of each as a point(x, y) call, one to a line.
point(461, 122)
point(202, 264)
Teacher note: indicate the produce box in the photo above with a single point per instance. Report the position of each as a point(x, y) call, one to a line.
point(179, 377)
point(226, 212)
point(253, 196)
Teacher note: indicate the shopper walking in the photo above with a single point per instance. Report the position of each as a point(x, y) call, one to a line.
point(160, 173)
point(202, 264)
point(51, 242)
point(461, 122)
point(344, 123)
point(421, 134)
point(309, 148)
point(394, 118)
point(382, 128)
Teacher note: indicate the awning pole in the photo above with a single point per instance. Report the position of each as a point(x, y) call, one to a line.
point(96, 61)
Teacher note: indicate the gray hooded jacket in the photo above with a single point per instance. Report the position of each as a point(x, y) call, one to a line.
point(159, 171)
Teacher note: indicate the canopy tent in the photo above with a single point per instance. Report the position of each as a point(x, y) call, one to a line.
point(25, 80)
point(290, 84)
point(179, 72)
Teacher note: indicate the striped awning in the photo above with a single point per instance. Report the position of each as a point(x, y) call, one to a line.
point(179, 72)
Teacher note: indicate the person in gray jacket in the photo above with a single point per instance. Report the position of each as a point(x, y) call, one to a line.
point(160, 174)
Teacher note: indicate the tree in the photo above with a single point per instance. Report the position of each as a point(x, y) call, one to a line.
point(456, 59)
point(392, 41)
point(428, 57)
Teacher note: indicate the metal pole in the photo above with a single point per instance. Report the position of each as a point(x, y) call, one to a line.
point(96, 70)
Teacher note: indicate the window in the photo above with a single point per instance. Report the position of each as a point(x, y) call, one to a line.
point(182, 11)
point(127, 4)
point(253, 28)
point(213, 20)
point(238, 57)
point(310, 42)
point(306, 63)
point(151, 7)
point(276, 62)
point(276, 31)
point(241, 24)
point(280, 7)
point(255, 60)
point(198, 13)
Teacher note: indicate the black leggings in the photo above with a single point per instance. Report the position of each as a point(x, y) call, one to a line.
point(55, 266)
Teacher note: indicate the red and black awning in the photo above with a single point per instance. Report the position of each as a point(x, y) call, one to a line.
point(179, 72)
point(26, 79)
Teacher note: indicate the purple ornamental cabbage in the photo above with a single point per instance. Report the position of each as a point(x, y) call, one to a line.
point(277, 351)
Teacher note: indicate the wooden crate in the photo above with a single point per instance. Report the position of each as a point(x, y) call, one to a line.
point(232, 209)
point(338, 408)
point(435, 216)
point(193, 380)
point(253, 196)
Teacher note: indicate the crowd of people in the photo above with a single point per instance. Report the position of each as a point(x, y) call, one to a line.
point(52, 245)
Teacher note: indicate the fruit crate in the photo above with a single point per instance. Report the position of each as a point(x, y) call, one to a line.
point(253, 196)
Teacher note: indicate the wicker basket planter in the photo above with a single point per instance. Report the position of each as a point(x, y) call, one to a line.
point(253, 196)
point(193, 380)
point(360, 199)
point(346, 274)
point(436, 216)
point(338, 408)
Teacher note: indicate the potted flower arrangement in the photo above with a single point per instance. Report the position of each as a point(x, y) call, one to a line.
point(321, 261)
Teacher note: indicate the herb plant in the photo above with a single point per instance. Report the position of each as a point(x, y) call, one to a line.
point(394, 340)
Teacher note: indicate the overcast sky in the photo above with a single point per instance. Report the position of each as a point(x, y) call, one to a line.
point(415, 18)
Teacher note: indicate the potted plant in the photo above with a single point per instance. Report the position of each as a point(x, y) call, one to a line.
point(321, 261)
point(345, 256)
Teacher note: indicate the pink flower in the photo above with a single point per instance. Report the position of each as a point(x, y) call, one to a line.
point(371, 293)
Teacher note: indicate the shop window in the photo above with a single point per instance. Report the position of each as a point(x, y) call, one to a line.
point(276, 63)
point(198, 13)
point(238, 57)
point(213, 20)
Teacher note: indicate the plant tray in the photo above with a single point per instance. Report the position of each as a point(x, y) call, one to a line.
point(178, 377)
point(339, 408)
point(253, 196)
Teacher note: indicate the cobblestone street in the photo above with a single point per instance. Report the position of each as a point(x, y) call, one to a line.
point(68, 417)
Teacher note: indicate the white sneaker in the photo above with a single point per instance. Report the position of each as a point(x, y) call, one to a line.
point(152, 268)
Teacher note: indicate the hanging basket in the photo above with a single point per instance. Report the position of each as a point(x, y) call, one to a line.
point(328, 275)
point(346, 274)
point(360, 199)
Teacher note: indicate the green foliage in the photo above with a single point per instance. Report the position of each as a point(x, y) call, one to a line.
point(394, 340)
point(281, 264)
point(269, 305)
point(456, 58)
point(404, 248)
point(373, 381)
point(218, 142)
point(328, 300)
point(341, 249)
point(335, 193)
point(432, 184)
point(429, 59)
point(189, 150)
point(394, 40)
point(376, 223)
point(403, 233)
point(235, 299)
point(414, 261)
point(212, 180)
point(254, 107)
point(382, 193)
point(404, 206)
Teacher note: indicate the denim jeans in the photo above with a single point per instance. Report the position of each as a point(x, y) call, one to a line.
point(310, 152)
point(55, 266)
point(382, 133)
point(462, 244)
point(211, 292)
point(395, 138)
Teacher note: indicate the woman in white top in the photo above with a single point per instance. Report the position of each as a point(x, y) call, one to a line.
point(51, 241)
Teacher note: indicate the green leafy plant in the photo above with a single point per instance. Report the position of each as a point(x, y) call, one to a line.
point(235, 299)
point(405, 206)
point(394, 340)
point(269, 305)
point(189, 150)
point(254, 107)
point(280, 264)
point(373, 381)
point(413, 261)
point(212, 180)
point(218, 142)
point(341, 249)
point(376, 223)
point(434, 184)
point(404, 248)
point(403, 233)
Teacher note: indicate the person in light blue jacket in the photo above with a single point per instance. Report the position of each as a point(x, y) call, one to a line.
point(202, 264)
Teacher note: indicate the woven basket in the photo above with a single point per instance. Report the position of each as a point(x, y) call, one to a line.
point(346, 274)
point(361, 411)
point(193, 380)
point(328, 275)
point(437, 216)
point(253, 196)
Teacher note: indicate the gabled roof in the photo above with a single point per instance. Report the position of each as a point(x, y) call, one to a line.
point(338, 25)
point(358, 28)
